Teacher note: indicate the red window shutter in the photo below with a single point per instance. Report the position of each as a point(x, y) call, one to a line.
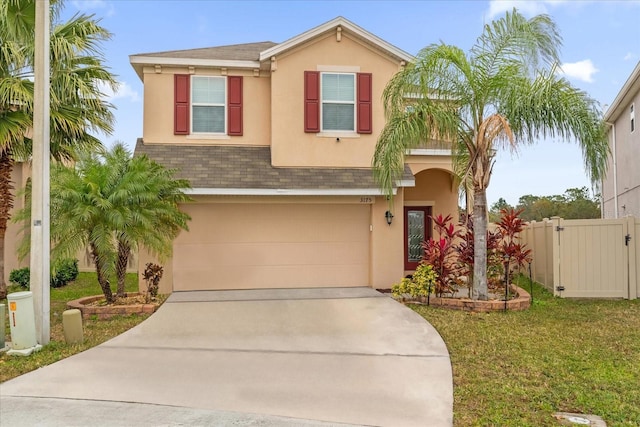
point(365, 124)
point(181, 105)
point(312, 101)
point(234, 112)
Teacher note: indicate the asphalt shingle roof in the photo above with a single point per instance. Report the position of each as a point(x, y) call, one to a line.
point(234, 52)
point(250, 167)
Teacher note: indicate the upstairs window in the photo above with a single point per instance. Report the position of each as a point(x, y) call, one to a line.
point(207, 105)
point(208, 96)
point(632, 117)
point(338, 102)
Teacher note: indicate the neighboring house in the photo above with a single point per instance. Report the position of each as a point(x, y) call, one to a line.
point(621, 186)
point(20, 173)
point(277, 140)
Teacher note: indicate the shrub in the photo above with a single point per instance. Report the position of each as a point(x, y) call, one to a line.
point(21, 276)
point(420, 284)
point(441, 255)
point(152, 275)
point(65, 271)
point(513, 253)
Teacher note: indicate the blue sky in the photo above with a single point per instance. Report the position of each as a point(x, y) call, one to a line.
point(601, 47)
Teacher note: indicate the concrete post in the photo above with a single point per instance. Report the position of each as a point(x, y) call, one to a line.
point(72, 326)
point(40, 241)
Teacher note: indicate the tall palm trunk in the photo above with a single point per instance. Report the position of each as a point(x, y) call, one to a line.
point(480, 244)
point(3, 285)
point(102, 279)
point(124, 251)
point(6, 203)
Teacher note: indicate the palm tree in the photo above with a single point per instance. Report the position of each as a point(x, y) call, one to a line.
point(505, 92)
point(112, 203)
point(128, 202)
point(77, 104)
point(146, 199)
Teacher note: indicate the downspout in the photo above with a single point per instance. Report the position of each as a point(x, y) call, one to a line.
point(615, 170)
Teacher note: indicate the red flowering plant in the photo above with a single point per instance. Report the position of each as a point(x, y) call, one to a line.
point(509, 227)
point(441, 255)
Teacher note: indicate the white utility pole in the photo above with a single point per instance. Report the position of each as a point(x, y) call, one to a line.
point(40, 240)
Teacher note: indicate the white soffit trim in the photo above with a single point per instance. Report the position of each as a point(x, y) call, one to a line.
point(156, 60)
point(285, 192)
point(626, 92)
point(405, 183)
point(429, 152)
point(327, 26)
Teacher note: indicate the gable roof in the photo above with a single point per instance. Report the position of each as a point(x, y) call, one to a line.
point(344, 24)
point(229, 170)
point(257, 55)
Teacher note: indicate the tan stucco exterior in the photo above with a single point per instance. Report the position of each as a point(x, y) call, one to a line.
point(159, 100)
point(290, 145)
point(247, 240)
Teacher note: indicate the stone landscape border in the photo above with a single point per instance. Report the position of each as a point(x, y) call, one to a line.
point(107, 311)
point(521, 302)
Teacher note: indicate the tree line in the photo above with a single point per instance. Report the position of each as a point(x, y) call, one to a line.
point(575, 203)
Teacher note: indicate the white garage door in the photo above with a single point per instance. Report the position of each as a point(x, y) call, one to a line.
point(248, 246)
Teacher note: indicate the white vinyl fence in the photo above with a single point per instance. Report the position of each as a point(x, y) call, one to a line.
point(595, 258)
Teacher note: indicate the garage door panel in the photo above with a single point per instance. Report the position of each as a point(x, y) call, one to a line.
point(245, 246)
point(269, 223)
point(260, 277)
point(246, 254)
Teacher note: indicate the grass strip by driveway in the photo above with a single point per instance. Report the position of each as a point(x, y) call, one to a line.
point(95, 331)
point(518, 368)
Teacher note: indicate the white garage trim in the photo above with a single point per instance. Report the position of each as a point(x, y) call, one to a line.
point(290, 192)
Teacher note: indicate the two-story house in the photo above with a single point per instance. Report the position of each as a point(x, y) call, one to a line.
point(277, 140)
point(621, 186)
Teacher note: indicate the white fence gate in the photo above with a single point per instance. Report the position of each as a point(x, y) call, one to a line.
point(586, 258)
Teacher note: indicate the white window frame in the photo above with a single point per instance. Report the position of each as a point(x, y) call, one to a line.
point(202, 104)
point(632, 117)
point(354, 103)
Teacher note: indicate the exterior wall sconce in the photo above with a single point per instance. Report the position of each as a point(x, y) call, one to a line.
point(389, 217)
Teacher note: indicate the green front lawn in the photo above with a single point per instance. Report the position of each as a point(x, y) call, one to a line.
point(95, 331)
point(510, 369)
point(518, 368)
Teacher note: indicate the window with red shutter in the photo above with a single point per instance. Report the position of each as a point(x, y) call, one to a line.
point(234, 105)
point(181, 104)
point(312, 101)
point(365, 124)
point(338, 102)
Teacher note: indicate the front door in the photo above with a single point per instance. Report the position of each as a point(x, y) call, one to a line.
point(417, 229)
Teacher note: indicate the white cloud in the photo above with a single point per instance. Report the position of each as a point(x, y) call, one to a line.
point(581, 70)
point(123, 91)
point(629, 56)
point(92, 5)
point(526, 7)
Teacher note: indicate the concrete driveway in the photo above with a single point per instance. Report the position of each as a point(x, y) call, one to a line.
point(259, 357)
